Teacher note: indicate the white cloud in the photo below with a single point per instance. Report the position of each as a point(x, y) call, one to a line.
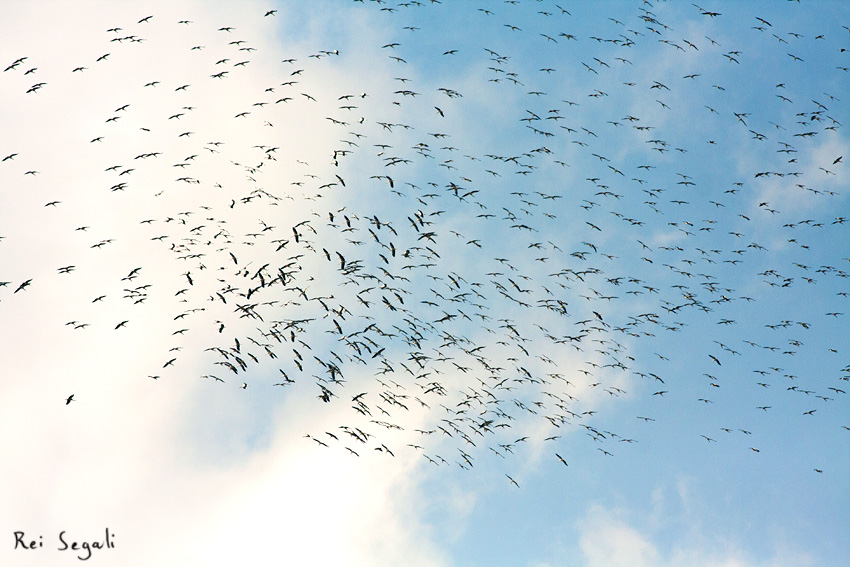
point(127, 460)
point(180, 471)
point(607, 541)
point(615, 537)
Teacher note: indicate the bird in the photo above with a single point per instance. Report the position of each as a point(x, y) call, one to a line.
point(501, 278)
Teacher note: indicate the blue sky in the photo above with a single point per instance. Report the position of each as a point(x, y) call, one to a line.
point(429, 283)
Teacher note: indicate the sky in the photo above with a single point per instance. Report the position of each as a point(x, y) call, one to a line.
point(454, 284)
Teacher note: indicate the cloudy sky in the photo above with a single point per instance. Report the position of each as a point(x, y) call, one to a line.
point(425, 283)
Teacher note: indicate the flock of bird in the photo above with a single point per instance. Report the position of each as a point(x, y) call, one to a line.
point(471, 266)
